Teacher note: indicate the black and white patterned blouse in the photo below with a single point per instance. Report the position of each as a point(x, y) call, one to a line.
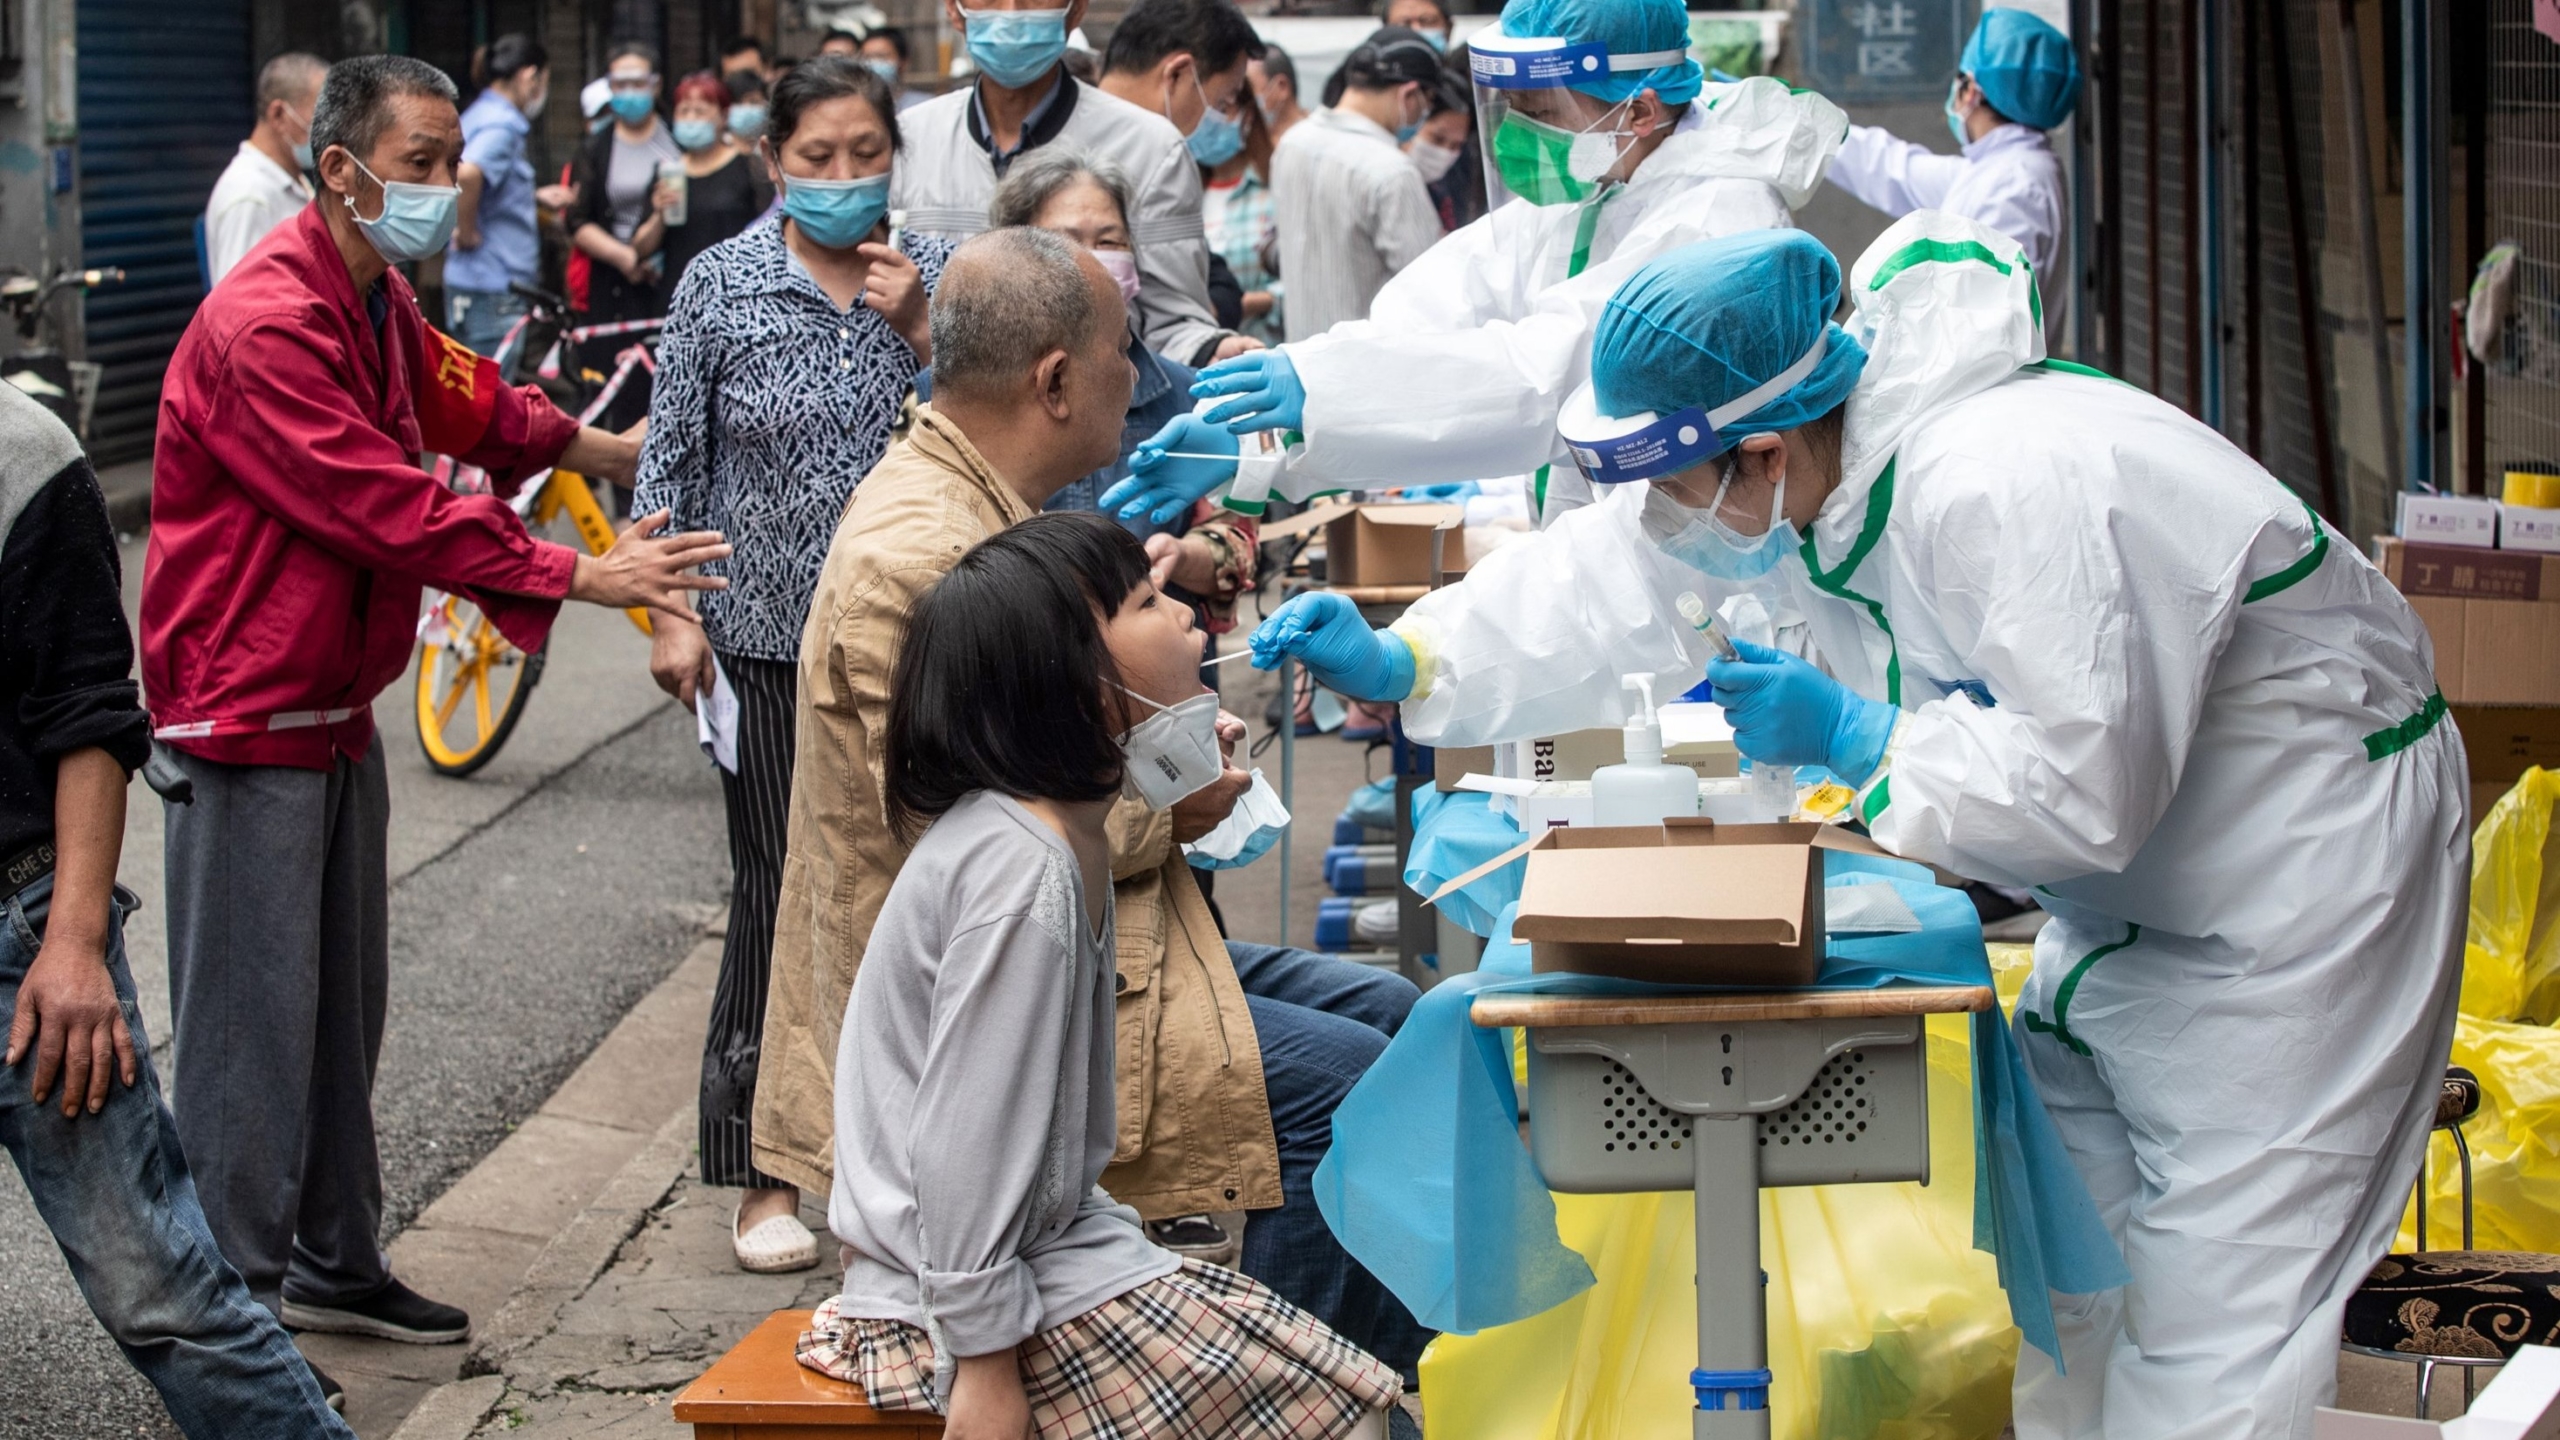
point(771, 404)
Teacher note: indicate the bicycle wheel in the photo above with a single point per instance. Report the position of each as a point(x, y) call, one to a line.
point(472, 686)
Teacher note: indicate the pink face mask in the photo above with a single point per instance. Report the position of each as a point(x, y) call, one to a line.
point(1123, 265)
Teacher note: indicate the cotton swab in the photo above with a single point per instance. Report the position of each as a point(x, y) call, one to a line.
point(1183, 455)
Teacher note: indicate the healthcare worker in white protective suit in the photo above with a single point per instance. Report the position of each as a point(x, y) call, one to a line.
point(2018, 78)
point(1604, 148)
point(2076, 641)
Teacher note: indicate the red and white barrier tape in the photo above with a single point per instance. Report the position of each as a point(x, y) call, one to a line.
point(550, 366)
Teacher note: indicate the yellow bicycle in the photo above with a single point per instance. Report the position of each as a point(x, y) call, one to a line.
point(473, 684)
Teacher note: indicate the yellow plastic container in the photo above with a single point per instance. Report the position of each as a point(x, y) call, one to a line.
point(2533, 489)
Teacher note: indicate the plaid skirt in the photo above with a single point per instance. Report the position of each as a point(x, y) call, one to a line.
point(1203, 1352)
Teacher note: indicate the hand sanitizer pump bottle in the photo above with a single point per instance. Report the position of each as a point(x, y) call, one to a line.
point(1644, 790)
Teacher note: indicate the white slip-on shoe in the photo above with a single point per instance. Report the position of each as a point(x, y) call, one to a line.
point(776, 1246)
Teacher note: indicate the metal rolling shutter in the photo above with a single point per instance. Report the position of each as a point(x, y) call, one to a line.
point(164, 103)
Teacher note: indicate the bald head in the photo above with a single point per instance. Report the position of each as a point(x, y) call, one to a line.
point(1007, 298)
point(1028, 338)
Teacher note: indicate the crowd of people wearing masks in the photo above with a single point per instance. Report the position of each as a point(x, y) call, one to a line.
point(964, 411)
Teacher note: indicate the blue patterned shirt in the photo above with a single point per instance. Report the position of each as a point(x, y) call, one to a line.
point(770, 405)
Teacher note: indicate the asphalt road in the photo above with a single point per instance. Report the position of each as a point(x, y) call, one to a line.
point(531, 905)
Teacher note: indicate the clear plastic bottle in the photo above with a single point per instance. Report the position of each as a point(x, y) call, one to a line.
point(1644, 790)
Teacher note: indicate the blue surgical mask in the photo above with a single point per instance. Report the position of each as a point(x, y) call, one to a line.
point(1217, 138)
point(1015, 47)
point(746, 121)
point(1703, 542)
point(1405, 133)
point(632, 106)
point(838, 214)
point(302, 155)
point(416, 220)
point(887, 70)
point(1955, 120)
point(1436, 39)
point(696, 134)
point(1246, 835)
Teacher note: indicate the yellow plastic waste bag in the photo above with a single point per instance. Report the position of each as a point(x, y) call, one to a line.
point(2507, 1037)
point(1884, 1321)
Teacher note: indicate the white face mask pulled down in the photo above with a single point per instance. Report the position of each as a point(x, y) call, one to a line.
point(1173, 753)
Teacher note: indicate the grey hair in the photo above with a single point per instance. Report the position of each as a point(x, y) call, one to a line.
point(1039, 177)
point(1006, 298)
point(355, 101)
point(289, 77)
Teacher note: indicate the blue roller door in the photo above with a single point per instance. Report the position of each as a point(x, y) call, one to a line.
point(164, 103)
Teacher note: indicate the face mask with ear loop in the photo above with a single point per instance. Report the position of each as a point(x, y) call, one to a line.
point(1619, 450)
point(1173, 753)
point(1537, 160)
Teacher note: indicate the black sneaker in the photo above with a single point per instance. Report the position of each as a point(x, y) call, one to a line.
point(330, 1390)
point(394, 1312)
point(1195, 1235)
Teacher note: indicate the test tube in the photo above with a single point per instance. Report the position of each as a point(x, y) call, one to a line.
point(1703, 620)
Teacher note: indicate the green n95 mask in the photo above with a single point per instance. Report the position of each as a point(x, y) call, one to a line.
point(1549, 165)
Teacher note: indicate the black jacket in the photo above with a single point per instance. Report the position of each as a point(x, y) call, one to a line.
point(66, 658)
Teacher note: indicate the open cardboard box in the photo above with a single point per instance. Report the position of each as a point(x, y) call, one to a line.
point(1394, 544)
point(1688, 902)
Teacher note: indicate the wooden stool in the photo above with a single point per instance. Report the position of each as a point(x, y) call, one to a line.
point(761, 1391)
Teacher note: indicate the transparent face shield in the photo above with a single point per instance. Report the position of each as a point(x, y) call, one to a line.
point(1545, 141)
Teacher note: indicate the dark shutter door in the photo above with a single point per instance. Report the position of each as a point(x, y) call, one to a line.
point(164, 103)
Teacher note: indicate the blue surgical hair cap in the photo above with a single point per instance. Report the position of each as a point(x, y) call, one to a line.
point(1710, 322)
point(1627, 27)
point(2026, 68)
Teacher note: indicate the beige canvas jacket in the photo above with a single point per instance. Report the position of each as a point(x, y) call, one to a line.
point(1195, 1124)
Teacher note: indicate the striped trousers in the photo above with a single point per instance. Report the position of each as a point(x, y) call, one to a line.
point(758, 799)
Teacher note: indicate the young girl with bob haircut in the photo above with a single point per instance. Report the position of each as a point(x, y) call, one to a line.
point(989, 1277)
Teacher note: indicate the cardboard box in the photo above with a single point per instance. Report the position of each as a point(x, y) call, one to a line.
point(1570, 756)
point(1687, 902)
point(1392, 544)
point(2447, 520)
point(1701, 743)
point(2527, 527)
point(1451, 764)
point(2504, 741)
point(2494, 617)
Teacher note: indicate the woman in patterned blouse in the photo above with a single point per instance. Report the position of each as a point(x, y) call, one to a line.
point(789, 354)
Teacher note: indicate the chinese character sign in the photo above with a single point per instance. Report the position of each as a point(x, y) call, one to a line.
point(1881, 50)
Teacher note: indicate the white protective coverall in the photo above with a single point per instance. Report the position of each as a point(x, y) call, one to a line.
point(1468, 352)
point(2009, 180)
point(2137, 674)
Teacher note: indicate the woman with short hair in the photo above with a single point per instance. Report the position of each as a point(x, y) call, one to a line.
point(789, 353)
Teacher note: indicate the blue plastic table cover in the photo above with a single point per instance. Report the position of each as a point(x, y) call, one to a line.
point(1453, 833)
point(1427, 1183)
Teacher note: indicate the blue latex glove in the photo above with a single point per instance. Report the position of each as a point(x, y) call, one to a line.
point(1786, 712)
point(1265, 390)
point(1325, 633)
point(1162, 486)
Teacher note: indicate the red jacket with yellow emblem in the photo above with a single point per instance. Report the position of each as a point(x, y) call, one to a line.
point(291, 528)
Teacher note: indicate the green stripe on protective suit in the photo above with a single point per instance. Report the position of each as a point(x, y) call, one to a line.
point(1427, 1183)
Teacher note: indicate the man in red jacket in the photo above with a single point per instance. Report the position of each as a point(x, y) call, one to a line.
point(291, 532)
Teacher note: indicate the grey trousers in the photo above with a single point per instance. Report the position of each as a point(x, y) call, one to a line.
point(279, 960)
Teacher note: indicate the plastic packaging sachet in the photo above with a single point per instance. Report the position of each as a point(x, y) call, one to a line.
point(1428, 1185)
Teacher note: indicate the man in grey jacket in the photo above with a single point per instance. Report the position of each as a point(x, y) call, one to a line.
point(958, 146)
